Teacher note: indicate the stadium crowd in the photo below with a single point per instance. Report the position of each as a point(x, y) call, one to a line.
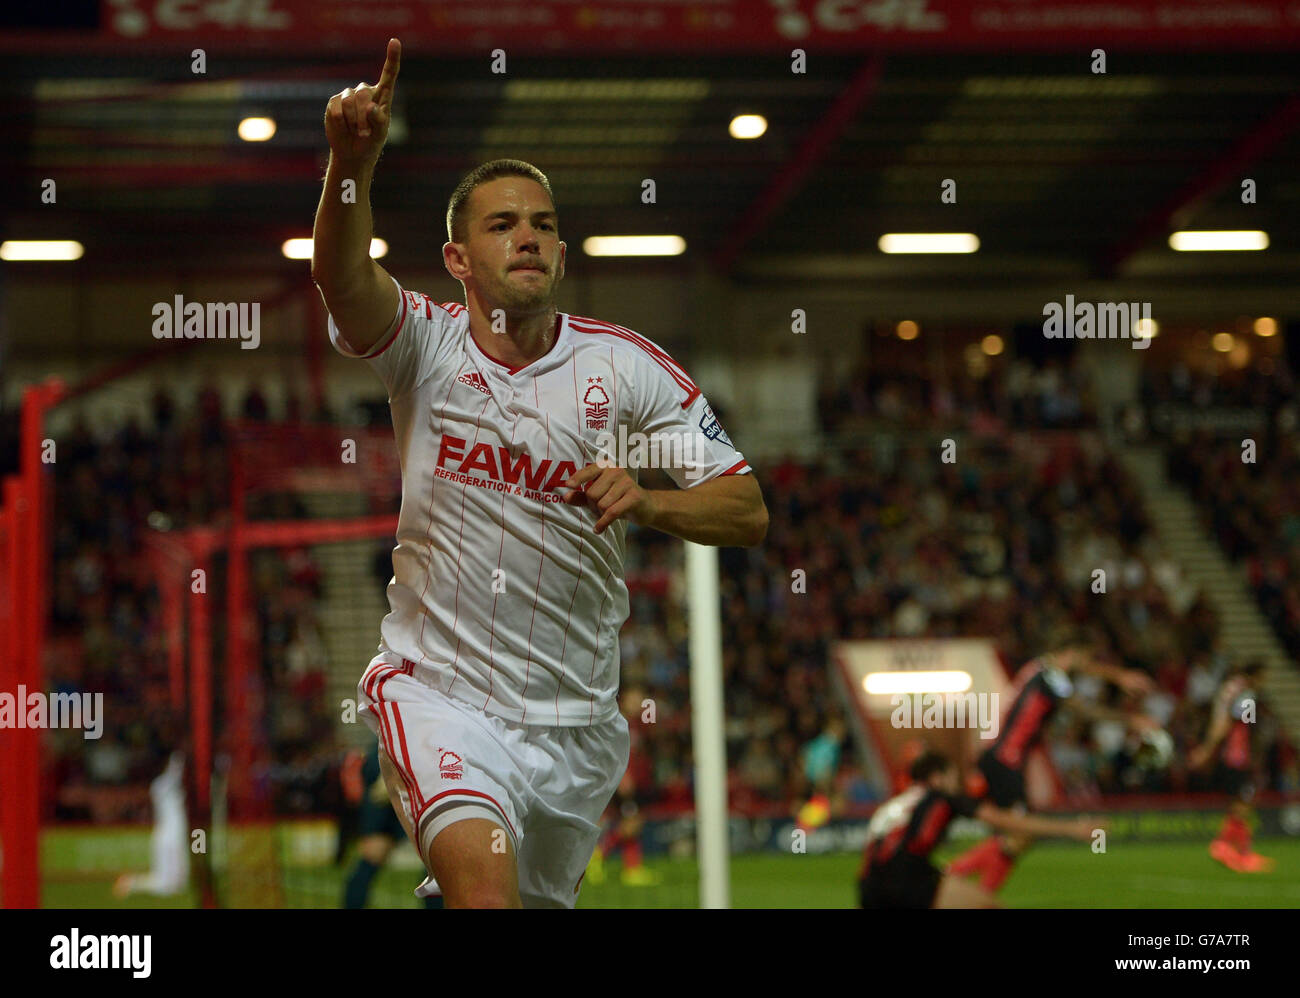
point(107, 633)
point(880, 537)
point(892, 542)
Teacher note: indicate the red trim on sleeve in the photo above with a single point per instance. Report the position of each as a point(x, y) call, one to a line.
point(735, 468)
point(392, 339)
point(645, 344)
point(674, 370)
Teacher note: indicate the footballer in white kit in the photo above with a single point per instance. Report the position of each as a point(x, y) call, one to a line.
point(494, 693)
point(169, 869)
point(503, 598)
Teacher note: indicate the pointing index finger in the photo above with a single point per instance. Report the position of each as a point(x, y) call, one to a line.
point(392, 63)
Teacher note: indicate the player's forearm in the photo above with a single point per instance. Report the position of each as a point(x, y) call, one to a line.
point(1096, 712)
point(1203, 753)
point(357, 291)
point(340, 256)
point(726, 512)
point(1030, 824)
point(1098, 668)
point(1027, 824)
point(1199, 756)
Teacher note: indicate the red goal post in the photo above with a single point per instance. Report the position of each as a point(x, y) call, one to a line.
point(265, 459)
point(24, 602)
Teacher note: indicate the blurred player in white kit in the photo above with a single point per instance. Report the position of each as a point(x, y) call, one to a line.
point(169, 871)
point(494, 693)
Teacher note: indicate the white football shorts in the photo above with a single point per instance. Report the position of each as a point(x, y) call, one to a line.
point(546, 786)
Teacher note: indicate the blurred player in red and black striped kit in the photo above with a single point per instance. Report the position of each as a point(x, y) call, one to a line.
point(1040, 688)
point(896, 869)
point(1228, 743)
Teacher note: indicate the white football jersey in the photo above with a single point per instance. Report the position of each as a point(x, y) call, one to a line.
point(502, 595)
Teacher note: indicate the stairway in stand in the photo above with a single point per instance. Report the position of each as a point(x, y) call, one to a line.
point(1246, 633)
point(353, 601)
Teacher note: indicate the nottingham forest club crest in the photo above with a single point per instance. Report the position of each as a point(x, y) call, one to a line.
point(450, 765)
point(596, 399)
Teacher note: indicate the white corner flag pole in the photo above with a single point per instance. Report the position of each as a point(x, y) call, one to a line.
point(709, 743)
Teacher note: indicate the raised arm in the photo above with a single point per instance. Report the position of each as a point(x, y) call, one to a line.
point(1130, 718)
point(1032, 824)
point(1129, 680)
point(1220, 725)
point(358, 292)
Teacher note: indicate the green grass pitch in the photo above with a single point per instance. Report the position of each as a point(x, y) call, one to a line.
point(1169, 875)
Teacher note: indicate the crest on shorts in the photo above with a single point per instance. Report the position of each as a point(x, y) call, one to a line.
point(450, 766)
point(596, 400)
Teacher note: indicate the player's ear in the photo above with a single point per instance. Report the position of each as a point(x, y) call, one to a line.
point(563, 247)
point(453, 258)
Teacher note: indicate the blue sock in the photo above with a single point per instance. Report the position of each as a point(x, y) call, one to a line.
point(358, 885)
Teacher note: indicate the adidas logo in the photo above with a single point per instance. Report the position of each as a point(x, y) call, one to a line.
point(475, 380)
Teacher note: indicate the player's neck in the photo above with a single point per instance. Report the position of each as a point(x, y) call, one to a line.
point(524, 339)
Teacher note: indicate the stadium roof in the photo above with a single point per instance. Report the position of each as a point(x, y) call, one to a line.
point(1058, 170)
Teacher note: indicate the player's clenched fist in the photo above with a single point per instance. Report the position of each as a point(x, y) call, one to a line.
point(356, 120)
